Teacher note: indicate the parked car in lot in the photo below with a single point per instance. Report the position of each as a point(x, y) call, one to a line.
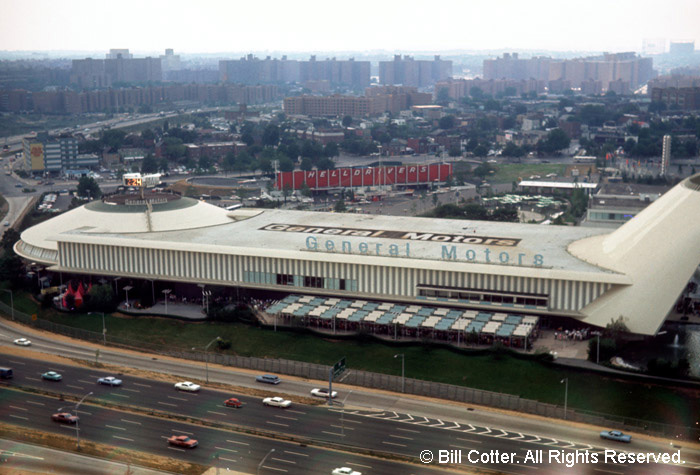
point(233, 402)
point(187, 386)
point(52, 376)
point(22, 342)
point(110, 381)
point(65, 417)
point(182, 441)
point(277, 402)
point(615, 435)
point(268, 378)
point(345, 471)
point(322, 392)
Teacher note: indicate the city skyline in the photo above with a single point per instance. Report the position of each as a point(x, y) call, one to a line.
point(211, 26)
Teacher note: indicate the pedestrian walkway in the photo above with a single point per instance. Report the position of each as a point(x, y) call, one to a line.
point(174, 309)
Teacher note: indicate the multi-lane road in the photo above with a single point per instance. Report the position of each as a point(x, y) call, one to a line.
point(369, 421)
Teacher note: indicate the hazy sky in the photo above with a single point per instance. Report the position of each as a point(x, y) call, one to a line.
point(199, 26)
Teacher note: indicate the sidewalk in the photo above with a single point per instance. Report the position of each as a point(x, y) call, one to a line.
point(174, 309)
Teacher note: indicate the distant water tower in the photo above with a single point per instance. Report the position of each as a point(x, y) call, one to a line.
point(666, 155)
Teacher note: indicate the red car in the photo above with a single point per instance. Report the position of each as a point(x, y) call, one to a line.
point(66, 417)
point(233, 402)
point(182, 441)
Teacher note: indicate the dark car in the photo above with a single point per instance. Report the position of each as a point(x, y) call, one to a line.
point(65, 417)
point(233, 402)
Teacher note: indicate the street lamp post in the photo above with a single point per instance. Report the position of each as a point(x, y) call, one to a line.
point(12, 303)
point(116, 289)
point(206, 356)
point(566, 393)
point(77, 427)
point(263, 461)
point(104, 328)
point(597, 351)
point(342, 421)
point(403, 371)
point(165, 293)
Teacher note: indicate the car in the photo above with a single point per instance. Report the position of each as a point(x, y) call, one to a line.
point(277, 402)
point(268, 378)
point(187, 386)
point(182, 441)
point(18, 185)
point(323, 392)
point(345, 471)
point(110, 380)
point(52, 376)
point(6, 223)
point(65, 417)
point(22, 342)
point(233, 402)
point(615, 435)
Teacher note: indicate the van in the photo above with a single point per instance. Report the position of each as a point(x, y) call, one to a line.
point(268, 378)
point(6, 373)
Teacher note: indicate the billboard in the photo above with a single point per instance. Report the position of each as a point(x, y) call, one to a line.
point(36, 156)
point(365, 176)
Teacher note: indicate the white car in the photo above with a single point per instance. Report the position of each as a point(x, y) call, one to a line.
point(110, 381)
point(277, 402)
point(345, 471)
point(323, 392)
point(22, 342)
point(187, 386)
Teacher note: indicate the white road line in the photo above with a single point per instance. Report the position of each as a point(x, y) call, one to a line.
point(227, 450)
point(75, 387)
point(295, 412)
point(341, 427)
point(175, 448)
point(71, 427)
point(36, 403)
point(228, 460)
point(167, 404)
point(295, 453)
point(181, 431)
point(400, 437)
point(408, 430)
point(178, 398)
point(237, 442)
point(18, 362)
point(131, 390)
point(217, 413)
point(393, 443)
point(352, 422)
point(123, 438)
point(142, 385)
point(283, 460)
point(120, 395)
point(86, 382)
point(358, 464)
point(19, 408)
point(288, 418)
point(273, 468)
point(85, 412)
point(33, 379)
point(469, 440)
point(332, 433)
point(19, 417)
point(130, 422)
point(114, 427)
point(277, 423)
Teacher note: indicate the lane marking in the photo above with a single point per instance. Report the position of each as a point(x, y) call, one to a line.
point(131, 390)
point(295, 412)
point(218, 413)
point(469, 440)
point(273, 468)
point(123, 438)
point(167, 404)
point(19, 408)
point(19, 417)
point(341, 427)
point(114, 427)
point(288, 418)
point(75, 387)
point(18, 362)
point(130, 422)
point(143, 385)
point(295, 453)
point(227, 450)
point(32, 379)
point(283, 460)
point(332, 433)
point(178, 398)
point(277, 423)
point(182, 431)
point(358, 464)
point(120, 395)
point(393, 443)
point(86, 382)
point(400, 437)
point(228, 460)
point(408, 430)
point(176, 448)
point(237, 442)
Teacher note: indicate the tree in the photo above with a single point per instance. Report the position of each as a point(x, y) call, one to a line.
point(480, 151)
point(88, 187)
point(325, 164)
point(556, 140)
point(447, 122)
point(347, 121)
point(9, 239)
point(455, 151)
point(340, 206)
point(286, 164)
point(331, 150)
point(271, 135)
point(149, 164)
point(512, 150)
point(305, 190)
point(102, 298)
point(306, 164)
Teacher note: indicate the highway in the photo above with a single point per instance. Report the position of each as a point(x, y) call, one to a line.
point(386, 431)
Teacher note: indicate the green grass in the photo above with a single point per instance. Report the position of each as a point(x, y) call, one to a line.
point(508, 173)
point(497, 372)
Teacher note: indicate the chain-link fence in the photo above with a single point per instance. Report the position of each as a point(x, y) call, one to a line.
point(375, 380)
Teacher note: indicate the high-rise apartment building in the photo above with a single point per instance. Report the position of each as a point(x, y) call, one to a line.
point(170, 61)
point(119, 53)
point(120, 66)
point(408, 71)
point(50, 154)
